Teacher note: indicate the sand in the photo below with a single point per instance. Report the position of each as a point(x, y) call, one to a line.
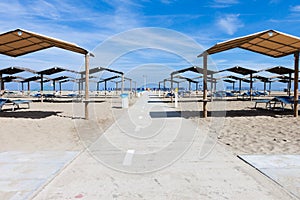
point(244, 130)
point(51, 126)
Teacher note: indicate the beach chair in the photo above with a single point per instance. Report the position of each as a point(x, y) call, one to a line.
point(2, 103)
point(17, 103)
point(284, 100)
point(264, 101)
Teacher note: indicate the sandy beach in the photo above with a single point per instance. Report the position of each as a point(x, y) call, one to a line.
point(51, 126)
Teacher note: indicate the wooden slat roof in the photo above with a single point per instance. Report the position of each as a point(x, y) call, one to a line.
point(15, 70)
point(108, 79)
point(261, 78)
point(20, 42)
point(193, 69)
point(99, 69)
point(270, 42)
point(240, 70)
point(229, 81)
point(185, 78)
point(54, 70)
point(280, 70)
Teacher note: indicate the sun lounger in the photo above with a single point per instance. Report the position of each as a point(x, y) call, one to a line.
point(265, 101)
point(15, 103)
point(2, 103)
point(285, 100)
point(277, 102)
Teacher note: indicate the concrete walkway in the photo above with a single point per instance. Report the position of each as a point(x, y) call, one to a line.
point(24, 173)
point(151, 152)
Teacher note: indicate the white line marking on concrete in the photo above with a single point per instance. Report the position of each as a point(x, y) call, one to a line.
point(128, 157)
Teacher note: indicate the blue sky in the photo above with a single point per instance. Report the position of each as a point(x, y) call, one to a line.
point(90, 23)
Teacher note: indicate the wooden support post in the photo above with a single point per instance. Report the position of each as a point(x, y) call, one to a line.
point(1, 85)
point(289, 84)
point(105, 88)
point(172, 83)
point(42, 87)
point(251, 86)
point(53, 86)
point(28, 87)
point(87, 76)
point(211, 87)
point(204, 85)
point(98, 88)
point(122, 84)
point(22, 88)
point(296, 77)
point(172, 88)
point(60, 88)
point(1, 81)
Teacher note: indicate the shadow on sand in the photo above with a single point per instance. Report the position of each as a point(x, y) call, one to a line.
point(29, 114)
point(228, 113)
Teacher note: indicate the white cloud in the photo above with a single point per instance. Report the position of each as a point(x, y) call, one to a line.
point(295, 8)
point(223, 3)
point(230, 23)
point(274, 1)
point(167, 1)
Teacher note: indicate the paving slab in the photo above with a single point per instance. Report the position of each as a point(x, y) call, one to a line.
point(283, 169)
point(24, 173)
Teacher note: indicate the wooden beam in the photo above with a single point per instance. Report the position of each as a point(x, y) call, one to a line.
point(42, 87)
point(172, 88)
point(122, 84)
point(251, 86)
point(1, 85)
point(296, 77)
point(204, 85)
point(87, 76)
point(60, 88)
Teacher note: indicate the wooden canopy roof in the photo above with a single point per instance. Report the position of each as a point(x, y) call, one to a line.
point(55, 70)
point(15, 70)
point(193, 69)
point(229, 81)
point(185, 78)
point(280, 70)
point(270, 42)
point(240, 70)
point(261, 78)
point(99, 69)
point(20, 42)
point(108, 79)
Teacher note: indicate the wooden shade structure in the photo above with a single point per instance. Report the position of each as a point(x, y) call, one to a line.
point(199, 70)
point(243, 71)
point(100, 69)
point(11, 71)
point(105, 82)
point(270, 43)
point(283, 71)
point(20, 42)
point(189, 80)
point(265, 80)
